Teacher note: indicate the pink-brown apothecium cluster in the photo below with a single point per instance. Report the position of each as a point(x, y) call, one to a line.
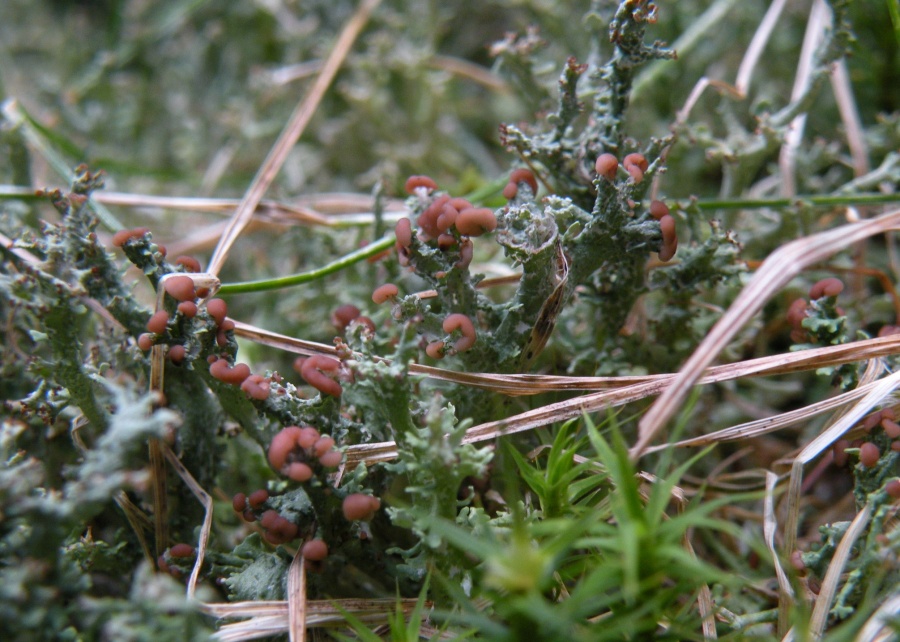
point(294, 449)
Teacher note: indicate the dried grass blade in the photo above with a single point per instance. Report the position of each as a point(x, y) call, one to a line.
point(682, 115)
point(338, 205)
point(757, 44)
point(832, 434)
point(878, 392)
point(291, 133)
point(833, 575)
point(571, 408)
point(792, 502)
point(789, 362)
point(878, 626)
point(258, 627)
point(160, 495)
point(545, 415)
point(507, 384)
point(369, 454)
point(843, 96)
point(275, 209)
point(760, 427)
point(22, 253)
point(272, 617)
point(476, 73)
point(561, 411)
point(282, 341)
point(533, 384)
point(525, 384)
point(296, 599)
point(822, 442)
point(770, 525)
point(138, 521)
point(313, 607)
point(244, 609)
point(705, 603)
point(815, 31)
point(154, 447)
point(774, 273)
point(207, 502)
point(550, 310)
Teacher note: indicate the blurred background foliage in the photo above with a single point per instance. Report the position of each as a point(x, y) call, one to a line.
point(186, 97)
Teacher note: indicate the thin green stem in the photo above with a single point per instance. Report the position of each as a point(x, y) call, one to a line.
point(822, 201)
point(305, 277)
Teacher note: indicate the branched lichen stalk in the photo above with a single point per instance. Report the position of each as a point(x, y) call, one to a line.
point(626, 33)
